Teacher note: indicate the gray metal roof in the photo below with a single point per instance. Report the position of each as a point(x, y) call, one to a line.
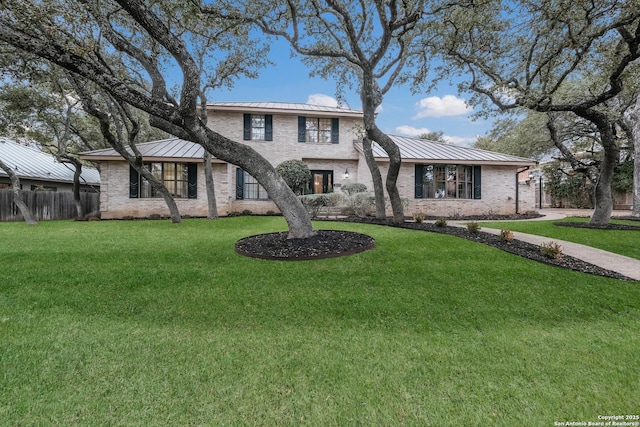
point(165, 149)
point(32, 163)
point(283, 107)
point(418, 150)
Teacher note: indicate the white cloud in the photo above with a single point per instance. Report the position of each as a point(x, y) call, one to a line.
point(447, 106)
point(411, 131)
point(322, 99)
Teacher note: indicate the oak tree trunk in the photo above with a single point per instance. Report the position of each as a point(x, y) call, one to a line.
point(378, 189)
point(76, 189)
point(211, 192)
point(635, 127)
point(371, 97)
point(17, 194)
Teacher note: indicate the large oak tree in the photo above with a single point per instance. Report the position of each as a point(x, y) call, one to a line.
point(373, 44)
point(154, 42)
point(523, 54)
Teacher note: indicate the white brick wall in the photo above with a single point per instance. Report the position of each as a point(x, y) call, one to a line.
point(498, 182)
point(498, 193)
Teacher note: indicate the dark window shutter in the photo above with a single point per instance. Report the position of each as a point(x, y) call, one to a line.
point(239, 184)
point(477, 182)
point(335, 130)
point(246, 134)
point(134, 183)
point(268, 127)
point(302, 129)
point(192, 180)
point(418, 178)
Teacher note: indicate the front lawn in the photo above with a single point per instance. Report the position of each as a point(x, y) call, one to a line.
point(150, 323)
point(623, 242)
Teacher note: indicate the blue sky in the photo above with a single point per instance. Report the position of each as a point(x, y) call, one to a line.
point(402, 113)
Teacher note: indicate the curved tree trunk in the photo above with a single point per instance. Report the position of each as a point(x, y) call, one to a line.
point(174, 212)
point(211, 193)
point(603, 194)
point(371, 97)
point(392, 174)
point(635, 133)
point(378, 190)
point(76, 189)
point(256, 165)
point(17, 194)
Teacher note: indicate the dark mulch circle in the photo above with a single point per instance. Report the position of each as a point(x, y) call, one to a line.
point(334, 243)
point(325, 244)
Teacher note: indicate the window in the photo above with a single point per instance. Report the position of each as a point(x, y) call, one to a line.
point(258, 127)
point(447, 182)
point(247, 187)
point(4, 185)
point(318, 130)
point(179, 178)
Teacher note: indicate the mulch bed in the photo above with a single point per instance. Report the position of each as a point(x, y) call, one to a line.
point(325, 244)
point(334, 243)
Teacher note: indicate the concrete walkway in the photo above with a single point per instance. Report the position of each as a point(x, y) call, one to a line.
point(629, 267)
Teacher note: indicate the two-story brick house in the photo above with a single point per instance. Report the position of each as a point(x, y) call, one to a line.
point(438, 179)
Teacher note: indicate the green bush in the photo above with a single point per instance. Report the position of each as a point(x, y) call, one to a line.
point(354, 188)
point(359, 204)
point(296, 174)
point(441, 222)
point(418, 217)
point(313, 203)
point(551, 250)
point(473, 227)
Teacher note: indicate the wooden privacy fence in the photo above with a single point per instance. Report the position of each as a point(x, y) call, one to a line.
point(47, 205)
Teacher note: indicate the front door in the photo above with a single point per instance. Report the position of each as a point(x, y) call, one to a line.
point(321, 181)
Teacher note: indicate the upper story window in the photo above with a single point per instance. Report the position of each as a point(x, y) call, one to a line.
point(447, 182)
point(258, 127)
point(318, 130)
point(179, 178)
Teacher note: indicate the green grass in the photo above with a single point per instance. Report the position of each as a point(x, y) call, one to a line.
point(623, 242)
point(150, 323)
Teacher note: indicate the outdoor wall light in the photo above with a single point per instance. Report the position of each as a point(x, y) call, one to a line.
point(346, 174)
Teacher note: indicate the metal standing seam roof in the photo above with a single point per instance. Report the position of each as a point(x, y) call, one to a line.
point(32, 163)
point(284, 107)
point(414, 149)
point(171, 148)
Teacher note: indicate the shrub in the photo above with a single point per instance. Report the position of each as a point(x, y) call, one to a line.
point(296, 174)
point(359, 204)
point(441, 222)
point(354, 188)
point(313, 203)
point(551, 250)
point(418, 217)
point(155, 216)
point(506, 236)
point(473, 227)
point(247, 212)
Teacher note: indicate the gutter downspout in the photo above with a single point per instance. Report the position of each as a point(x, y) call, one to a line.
point(518, 172)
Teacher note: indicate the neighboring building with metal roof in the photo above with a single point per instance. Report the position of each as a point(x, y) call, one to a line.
point(435, 178)
point(38, 170)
